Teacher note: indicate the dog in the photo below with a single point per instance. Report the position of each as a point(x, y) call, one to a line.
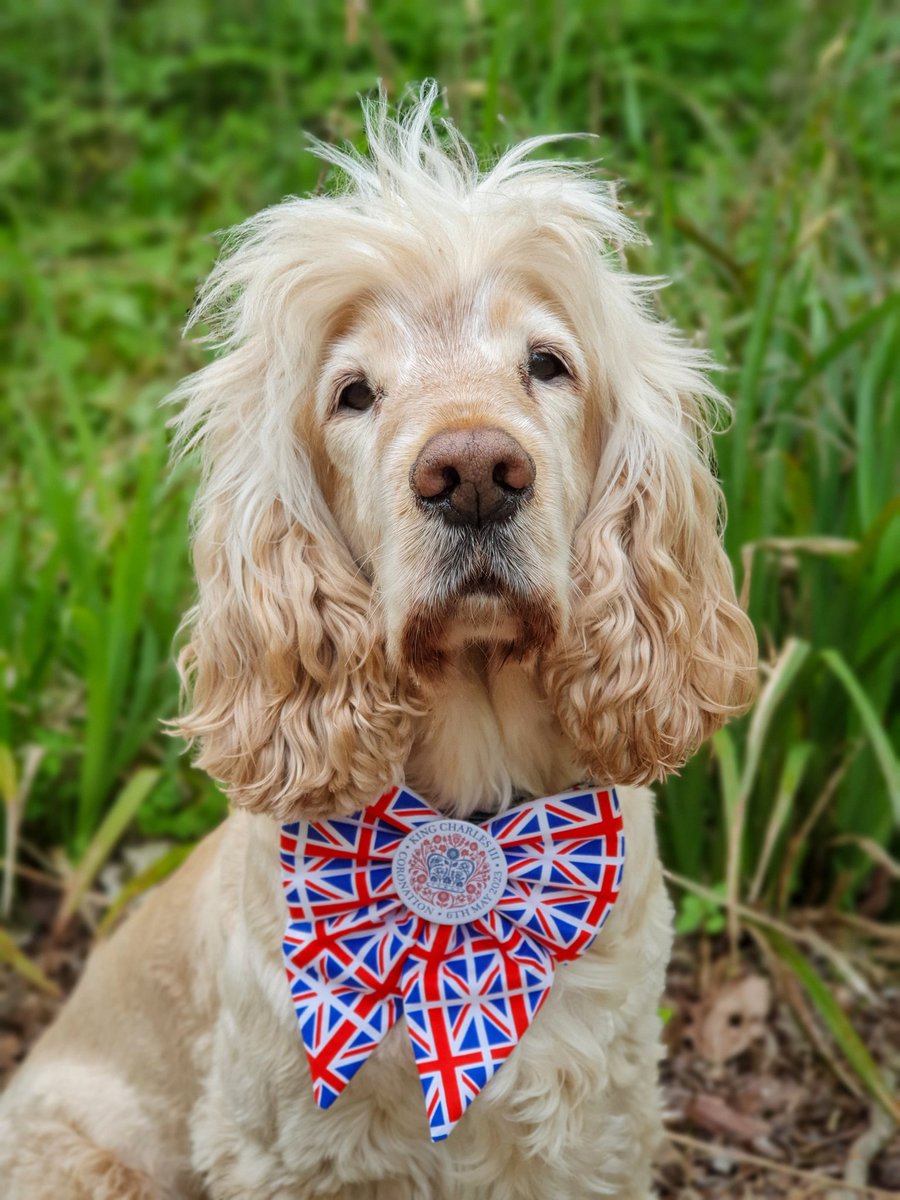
point(457, 529)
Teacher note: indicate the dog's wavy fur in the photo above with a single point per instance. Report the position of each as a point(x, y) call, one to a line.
point(338, 645)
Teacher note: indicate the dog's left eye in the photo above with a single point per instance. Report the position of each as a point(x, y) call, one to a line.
point(358, 395)
point(544, 366)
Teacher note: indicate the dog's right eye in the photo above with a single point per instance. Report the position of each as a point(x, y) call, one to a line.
point(544, 366)
point(358, 395)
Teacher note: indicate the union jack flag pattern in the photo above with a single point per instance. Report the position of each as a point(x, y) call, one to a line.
point(398, 910)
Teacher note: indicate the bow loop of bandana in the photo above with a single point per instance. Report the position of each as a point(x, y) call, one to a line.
point(399, 910)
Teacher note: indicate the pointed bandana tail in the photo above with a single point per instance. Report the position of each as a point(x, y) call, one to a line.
point(398, 910)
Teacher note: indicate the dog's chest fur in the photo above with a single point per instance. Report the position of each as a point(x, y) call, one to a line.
point(488, 736)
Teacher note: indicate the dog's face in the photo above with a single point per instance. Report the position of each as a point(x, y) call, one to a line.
point(459, 454)
point(445, 417)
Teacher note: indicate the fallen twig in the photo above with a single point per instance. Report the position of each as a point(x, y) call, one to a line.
point(41, 877)
point(867, 1146)
point(877, 930)
point(813, 1178)
point(804, 937)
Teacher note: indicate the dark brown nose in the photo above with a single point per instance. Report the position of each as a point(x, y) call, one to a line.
point(472, 476)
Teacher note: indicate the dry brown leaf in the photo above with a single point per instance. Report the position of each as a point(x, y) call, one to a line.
point(731, 1018)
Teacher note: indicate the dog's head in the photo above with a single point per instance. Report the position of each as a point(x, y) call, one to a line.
point(444, 416)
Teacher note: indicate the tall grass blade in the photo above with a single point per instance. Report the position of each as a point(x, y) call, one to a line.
point(793, 655)
point(845, 339)
point(792, 773)
point(837, 1023)
point(881, 746)
point(12, 956)
point(15, 789)
point(118, 818)
point(725, 752)
point(9, 789)
point(160, 869)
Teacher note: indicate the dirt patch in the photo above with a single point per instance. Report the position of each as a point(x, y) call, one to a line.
point(743, 1077)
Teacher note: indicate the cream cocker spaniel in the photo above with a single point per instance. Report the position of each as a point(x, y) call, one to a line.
point(457, 527)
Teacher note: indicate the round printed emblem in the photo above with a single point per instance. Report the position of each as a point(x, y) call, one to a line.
point(449, 871)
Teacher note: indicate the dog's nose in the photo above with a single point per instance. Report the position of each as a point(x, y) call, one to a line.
point(472, 476)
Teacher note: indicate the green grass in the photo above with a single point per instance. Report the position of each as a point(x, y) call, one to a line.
point(754, 144)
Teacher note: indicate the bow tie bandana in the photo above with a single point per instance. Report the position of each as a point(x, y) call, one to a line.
point(398, 910)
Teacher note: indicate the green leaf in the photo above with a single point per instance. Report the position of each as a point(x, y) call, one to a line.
point(700, 912)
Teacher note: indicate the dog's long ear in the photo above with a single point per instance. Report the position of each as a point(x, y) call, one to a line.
point(659, 654)
point(292, 703)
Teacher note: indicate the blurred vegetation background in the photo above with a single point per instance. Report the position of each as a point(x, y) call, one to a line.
point(754, 145)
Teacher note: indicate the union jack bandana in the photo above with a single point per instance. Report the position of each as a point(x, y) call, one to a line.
point(398, 910)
